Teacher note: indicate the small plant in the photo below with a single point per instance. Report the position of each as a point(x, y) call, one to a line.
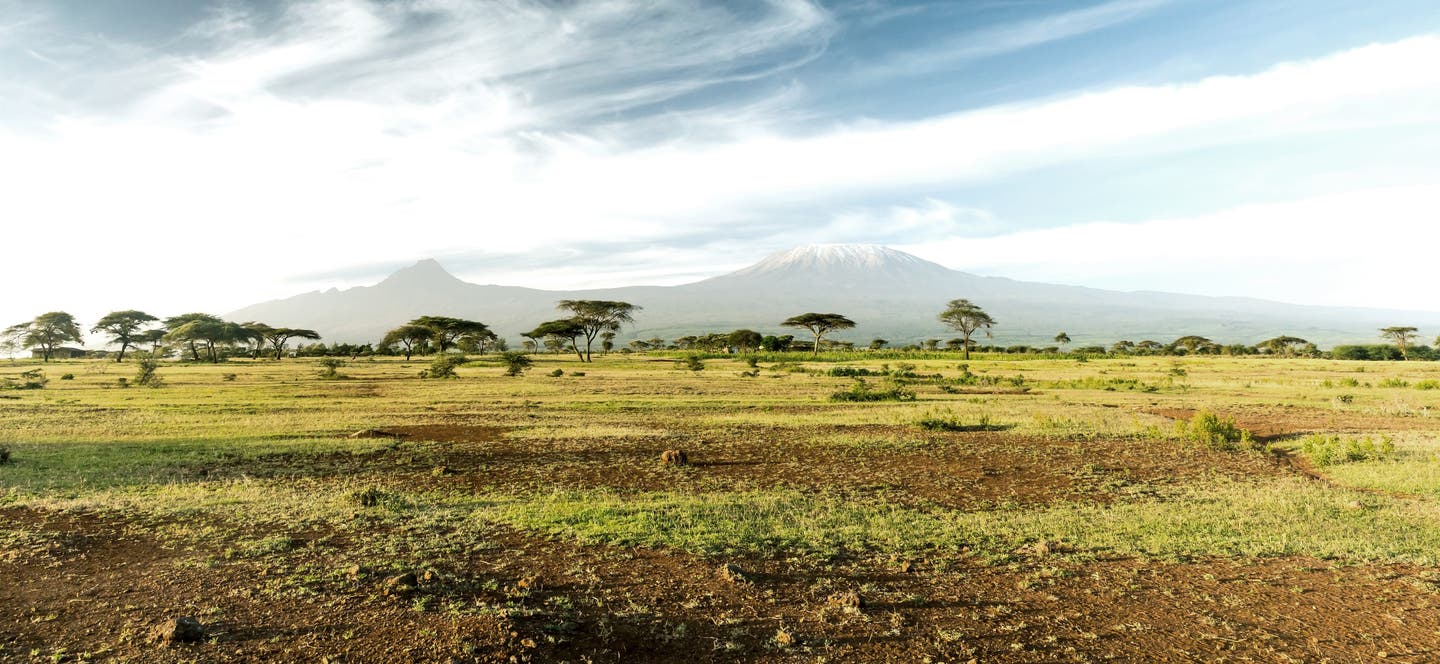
point(68, 376)
point(145, 373)
point(443, 366)
point(33, 379)
point(122, 382)
point(861, 391)
point(556, 373)
point(949, 422)
point(330, 368)
point(752, 362)
point(1330, 450)
point(4, 455)
point(367, 497)
point(516, 362)
point(577, 374)
point(229, 377)
point(1394, 382)
point(690, 362)
point(1428, 385)
point(1216, 432)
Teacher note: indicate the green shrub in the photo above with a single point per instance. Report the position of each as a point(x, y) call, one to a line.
point(4, 455)
point(938, 422)
point(691, 362)
point(515, 362)
point(145, 373)
point(556, 373)
point(68, 376)
point(33, 379)
point(1329, 450)
point(443, 366)
point(1394, 382)
point(861, 391)
point(229, 377)
point(1216, 432)
point(1428, 385)
point(330, 367)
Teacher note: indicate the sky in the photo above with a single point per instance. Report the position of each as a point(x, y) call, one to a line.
point(175, 156)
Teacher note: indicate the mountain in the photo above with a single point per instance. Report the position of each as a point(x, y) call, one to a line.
point(890, 294)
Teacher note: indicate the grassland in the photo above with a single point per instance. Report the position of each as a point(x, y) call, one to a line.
point(1040, 509)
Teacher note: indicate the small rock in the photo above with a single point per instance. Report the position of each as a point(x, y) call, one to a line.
point(785, 637)
point(177, 630)
point(402, 584)
point(674, 458)
point(376, 433)
point(733, 574)
point(846, 600)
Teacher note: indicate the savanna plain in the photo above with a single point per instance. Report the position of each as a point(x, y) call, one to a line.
point(881, 506)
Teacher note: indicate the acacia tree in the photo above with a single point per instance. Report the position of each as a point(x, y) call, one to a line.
point(745, 341)
point(207, 331)
point(277, 337)
point(1282, 345)
point(1193, 343)
point(447, 331)
point(1062, 340)
point(597, 316)
point(47, 332)
point(408, 336)
point(1401, 336)
point(607, 342)
point(174, 323)
point(124, 328)
point(967, 318)
point(560, 331)
point(819, 325)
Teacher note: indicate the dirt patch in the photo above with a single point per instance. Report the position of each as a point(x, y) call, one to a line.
point(554, 601)
point(957, 470)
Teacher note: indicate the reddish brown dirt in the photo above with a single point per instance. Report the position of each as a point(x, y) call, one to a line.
point(101, 582)
point(975, 470)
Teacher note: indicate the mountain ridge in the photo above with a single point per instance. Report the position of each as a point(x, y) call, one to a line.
point(890, 294)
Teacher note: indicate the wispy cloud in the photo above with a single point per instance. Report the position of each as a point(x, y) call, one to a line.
point(968, 46)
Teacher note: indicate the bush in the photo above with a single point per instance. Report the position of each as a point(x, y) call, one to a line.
point(515, 362)
point(68, 376)
point(861, 391)
point(556, 373)
point(1330, 450)
point(1427, 385)
point(122, 382)
point(1216, 432)
point(229, 377)
point(1394, 382)
point(936, 422)
point(691, 362)
point(4, 455)
point(330, 367)
point(443, 366)
point(33, 379)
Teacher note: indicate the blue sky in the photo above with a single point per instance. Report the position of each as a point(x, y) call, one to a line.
point(200, 156)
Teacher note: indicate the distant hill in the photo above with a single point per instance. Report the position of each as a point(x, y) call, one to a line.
point(890, 294)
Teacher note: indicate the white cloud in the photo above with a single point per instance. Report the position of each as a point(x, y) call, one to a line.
point(1366, 248)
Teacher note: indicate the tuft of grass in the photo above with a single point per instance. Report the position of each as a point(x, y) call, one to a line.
point(1329, 450)
point(861, 391)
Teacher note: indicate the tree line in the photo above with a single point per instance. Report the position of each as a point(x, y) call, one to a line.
point(205, 337)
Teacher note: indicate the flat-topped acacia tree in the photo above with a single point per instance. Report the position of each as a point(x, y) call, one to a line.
point(47, 332)
point(819, 325)
point(124, 328)
point(1402, 336)
point(410, 337)
point(595, 317)
point(447, 331)
point(966, 317)
point(277, 337)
